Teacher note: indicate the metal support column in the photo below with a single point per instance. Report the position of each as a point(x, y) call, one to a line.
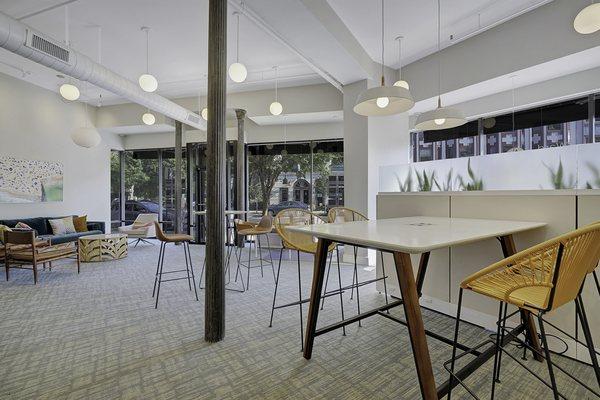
point(177, 176)
point(214, 328)
point(240, 163)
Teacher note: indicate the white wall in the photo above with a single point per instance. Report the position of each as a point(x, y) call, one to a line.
point(36, 124)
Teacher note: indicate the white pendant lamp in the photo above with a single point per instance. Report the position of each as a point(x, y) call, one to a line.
point(204, 113)
point(383, 100)
point(276, 108)
point(86, 136)
point(147, 82)
point(237, 70)
point(400, 82)
point(441, 117)
point(588, 20)
point(148, 118)
point(69, 91)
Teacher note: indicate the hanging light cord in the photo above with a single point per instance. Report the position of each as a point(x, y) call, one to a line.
point(276, 79)
point(382, 44)
point(147, 50)
point(400, 58)
point(237, 39)
point(438, 57)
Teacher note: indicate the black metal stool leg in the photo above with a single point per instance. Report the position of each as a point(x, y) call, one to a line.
point(157, 267)
point(502, 330)
point(337, 257)
point(202, 272)
point(547, 356)
point(187, 246)
point(249, 261)
point(456, 326)
point(385, 292)
point(187, 267)
point(300, 301)
point(596, 280)
point(270, 256)
point(580, 309)
point(276, 286)
point(353, 274)
point(262, 274)
point(357, 291)
point(162, 261)
point(326, 280)
point(498, 350)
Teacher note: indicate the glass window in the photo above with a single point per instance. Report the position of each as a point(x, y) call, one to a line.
point(425, 149)
point(451, 148)
point(466, 146)
point(115, 189)
point(305, 175)
point(168, 186)
point(141, 181)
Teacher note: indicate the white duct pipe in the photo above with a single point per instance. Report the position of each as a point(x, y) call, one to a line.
point(13, 37)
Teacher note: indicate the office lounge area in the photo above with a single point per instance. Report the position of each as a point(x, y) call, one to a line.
point(400, 216)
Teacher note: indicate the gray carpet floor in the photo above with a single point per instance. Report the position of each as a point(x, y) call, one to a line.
point(96, 335)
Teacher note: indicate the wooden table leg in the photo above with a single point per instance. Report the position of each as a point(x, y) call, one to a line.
point(315, 295)
point(508, 249)
point(416, 329)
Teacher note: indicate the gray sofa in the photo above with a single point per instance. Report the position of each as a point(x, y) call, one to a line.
point(43, 229)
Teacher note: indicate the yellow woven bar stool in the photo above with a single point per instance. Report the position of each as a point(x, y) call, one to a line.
point(301, 243)
point(539, 280)
point(247, 230)
point(345, 214)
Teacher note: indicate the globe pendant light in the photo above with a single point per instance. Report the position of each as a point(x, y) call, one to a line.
point(148, 118)
point(69, 92)
point(383, 100)
point(276, 108)
point(588, 20)
point(237, 70)
point(86, 136)
point(400, 82)
point(147, 82)
point(441, 117)
point(204, 113)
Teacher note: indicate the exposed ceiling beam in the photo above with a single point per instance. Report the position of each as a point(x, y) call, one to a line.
point(323, 12)
point(262, 24)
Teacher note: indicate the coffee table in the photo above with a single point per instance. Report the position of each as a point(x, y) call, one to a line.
point(103, 247)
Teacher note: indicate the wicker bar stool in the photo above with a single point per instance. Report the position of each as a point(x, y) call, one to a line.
point(539, 280)
point(184, 240)
point(345, 214)
point(247, 230)
point(301, 243)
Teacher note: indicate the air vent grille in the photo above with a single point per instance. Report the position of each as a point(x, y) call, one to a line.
point(193, 118)
point(48, 47)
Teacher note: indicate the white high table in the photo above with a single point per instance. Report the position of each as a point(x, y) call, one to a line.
point(403, 237)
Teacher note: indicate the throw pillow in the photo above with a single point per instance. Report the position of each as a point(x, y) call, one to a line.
point(22, 225)
point(80, 223)
point(3, 228)
point(62, 226)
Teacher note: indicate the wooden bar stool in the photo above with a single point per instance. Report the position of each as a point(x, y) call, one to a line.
point(538, 280)
point(184, 240)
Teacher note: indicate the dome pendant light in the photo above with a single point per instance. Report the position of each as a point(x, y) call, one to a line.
point(237, 70)
point(276, 108)
point(400, 82)
point(588, 19)
point(441, 117)
point(147, 82)
point(86, 136)
point(383, 100)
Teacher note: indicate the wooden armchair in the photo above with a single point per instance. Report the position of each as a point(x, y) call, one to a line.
point(22, 249)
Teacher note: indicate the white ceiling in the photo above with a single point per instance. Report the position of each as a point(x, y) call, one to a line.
point(302, 118)
point(178, 44)
point(416, 21)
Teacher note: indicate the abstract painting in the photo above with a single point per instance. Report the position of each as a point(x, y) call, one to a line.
point(30, 181)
